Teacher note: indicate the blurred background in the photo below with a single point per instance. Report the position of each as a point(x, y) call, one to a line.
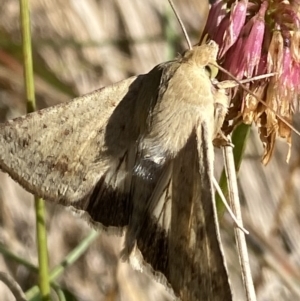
point(80, 46)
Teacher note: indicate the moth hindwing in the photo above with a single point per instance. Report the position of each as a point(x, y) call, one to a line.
point(136, 154)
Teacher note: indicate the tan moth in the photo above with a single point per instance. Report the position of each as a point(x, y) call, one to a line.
point(146, 166)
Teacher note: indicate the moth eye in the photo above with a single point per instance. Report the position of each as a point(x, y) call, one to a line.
point(211, 71)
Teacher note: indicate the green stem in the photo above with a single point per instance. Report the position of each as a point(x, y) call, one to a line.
point(69, 259)
point(44, 282)
point(8, 254)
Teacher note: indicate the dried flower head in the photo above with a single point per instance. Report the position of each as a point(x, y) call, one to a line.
point(258, 37)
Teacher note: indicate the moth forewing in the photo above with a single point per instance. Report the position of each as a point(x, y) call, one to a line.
point(62, 144)
point(137, 154)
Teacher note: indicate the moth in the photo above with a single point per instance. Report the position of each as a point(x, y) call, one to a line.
point(137, 155)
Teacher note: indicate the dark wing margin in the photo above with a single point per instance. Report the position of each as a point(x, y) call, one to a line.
point(175, 226)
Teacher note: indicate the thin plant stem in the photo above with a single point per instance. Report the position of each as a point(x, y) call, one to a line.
point(13, 286)
point(239, 234)
point(69, 260)
point(239, 140)
point(181, 25)
point(222, 196)
point(169, 33)
point(44, 282)
point(8, 254)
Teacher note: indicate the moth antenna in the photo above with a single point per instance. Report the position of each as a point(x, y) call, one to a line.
point(220, 192)
point(181, 25)
point(259, 99)
point(258, 77)
point(226, 84)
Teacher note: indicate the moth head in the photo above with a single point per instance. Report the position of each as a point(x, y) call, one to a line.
point(202, 55)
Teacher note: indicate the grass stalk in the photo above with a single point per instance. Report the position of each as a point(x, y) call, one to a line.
point(44, 282)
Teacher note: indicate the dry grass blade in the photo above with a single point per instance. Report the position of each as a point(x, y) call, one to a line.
point(239, 234)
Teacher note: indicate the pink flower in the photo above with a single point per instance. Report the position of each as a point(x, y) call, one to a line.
point(258, 37)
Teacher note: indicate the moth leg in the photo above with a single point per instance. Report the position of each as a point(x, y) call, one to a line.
point(221, 101)
point(222, 140)
point(219, 116)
